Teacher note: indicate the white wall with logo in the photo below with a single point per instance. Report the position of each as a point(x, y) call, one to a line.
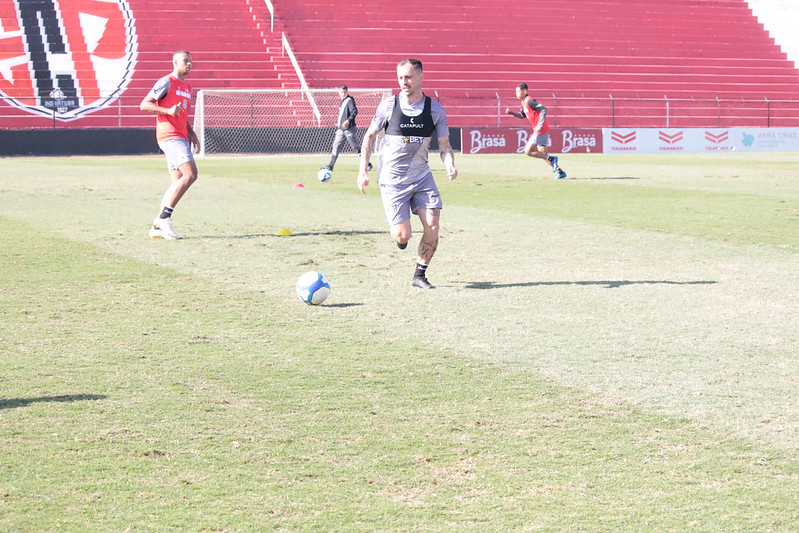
point(699, 140)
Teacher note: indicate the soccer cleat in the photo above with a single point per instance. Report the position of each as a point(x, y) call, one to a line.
point(326, 167)
point(402, 245)
point(422, 283)
point(560, 174)
point(155, 233)
point(369, 166)
point(554, 163)
point(164, 226)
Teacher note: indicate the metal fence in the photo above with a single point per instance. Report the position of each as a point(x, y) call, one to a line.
point(612, 112)
point(37, 113)
point(470, 111)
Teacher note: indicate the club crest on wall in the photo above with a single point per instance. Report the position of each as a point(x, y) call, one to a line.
point(65, 58)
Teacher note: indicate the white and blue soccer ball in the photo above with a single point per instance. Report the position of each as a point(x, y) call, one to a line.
point(324, 174)
point(313, 288)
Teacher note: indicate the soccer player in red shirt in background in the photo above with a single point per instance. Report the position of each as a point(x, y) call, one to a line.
point(536, 113)
point(170, 101)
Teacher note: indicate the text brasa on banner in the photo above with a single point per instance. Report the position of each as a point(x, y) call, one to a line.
point(512, 140)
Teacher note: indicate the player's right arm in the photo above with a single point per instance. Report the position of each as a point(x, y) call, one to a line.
point(150, 102)
point(367, 148)
point(151, 106)
point(517, 114)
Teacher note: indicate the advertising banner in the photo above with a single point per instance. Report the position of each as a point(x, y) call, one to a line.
point(513, 140)
point(699, 140)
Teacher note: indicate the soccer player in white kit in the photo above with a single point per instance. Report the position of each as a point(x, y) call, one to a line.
point(409, 121)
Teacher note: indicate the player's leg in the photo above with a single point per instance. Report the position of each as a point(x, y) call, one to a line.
point(559, 172)
point(353, 140)
point(427, 245)
point(182, 178)
point(537, 146)
point(338, 142)
point(350, 136)
point(426, 204)
point(550, 160)
point(397, 206)
point(401, 233)
point(533, 149)
point(182, 173)
point(543, 142)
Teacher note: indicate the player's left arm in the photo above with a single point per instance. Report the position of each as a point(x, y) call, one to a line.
point(448, 157)
point(193, 139)
point(444, 147)
point(352, 112)
point(541, 109)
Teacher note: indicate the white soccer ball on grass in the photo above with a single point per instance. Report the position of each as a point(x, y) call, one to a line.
point(324, 174)
point(313, 288)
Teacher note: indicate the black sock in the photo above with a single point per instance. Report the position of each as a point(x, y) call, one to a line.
point(167, 212)
point(549, 159)
point(420, 270)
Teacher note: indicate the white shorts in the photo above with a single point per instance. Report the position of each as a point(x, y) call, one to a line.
point(540, 139)
point(177, 151)
point(399, 201)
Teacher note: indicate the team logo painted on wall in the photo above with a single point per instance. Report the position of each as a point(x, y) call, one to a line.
point(65, 58)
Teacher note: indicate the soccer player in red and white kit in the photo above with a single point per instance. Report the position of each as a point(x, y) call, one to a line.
point(536, 113)
point(170, 101)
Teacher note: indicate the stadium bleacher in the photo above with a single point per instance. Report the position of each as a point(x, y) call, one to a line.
point(575, 55)
point(588, 50)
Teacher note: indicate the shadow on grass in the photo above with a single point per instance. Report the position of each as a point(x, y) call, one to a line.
point(612, 178)
point(602, 178)
point(300, 234)
point(610, 284)
point(24, 402)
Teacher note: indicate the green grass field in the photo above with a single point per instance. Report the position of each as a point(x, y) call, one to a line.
point(613, 352)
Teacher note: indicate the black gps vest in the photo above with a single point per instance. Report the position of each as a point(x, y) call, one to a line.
point(405, 126)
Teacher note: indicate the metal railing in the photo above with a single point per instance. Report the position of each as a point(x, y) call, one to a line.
point(470, 111)
point(614, 112)
point(29, 113)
